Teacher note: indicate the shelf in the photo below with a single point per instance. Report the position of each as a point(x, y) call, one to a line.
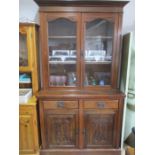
point(99, 37)
point(74, 62)
point(97, 62)
point(25, 85)
point(61, 37)
point(23, 51)
point(62, 62)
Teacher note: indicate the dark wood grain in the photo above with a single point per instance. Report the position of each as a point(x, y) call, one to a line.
point(60, 126)
point(80, 94)
point(81, 2)
point(99, 128)
point(61, 129)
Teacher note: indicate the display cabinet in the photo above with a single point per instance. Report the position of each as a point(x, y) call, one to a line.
point(28, 61)
point(28, 87)
point(79, 102)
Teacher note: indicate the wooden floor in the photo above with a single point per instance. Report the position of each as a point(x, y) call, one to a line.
point(130, 151)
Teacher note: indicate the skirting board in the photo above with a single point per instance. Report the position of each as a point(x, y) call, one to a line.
point(81, 152)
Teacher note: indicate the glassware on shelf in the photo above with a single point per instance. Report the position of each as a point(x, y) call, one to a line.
point(58, 80)
point(71, 79)
point(101, 82)
point(97, 79)
point(95, 55)
point(64, 80)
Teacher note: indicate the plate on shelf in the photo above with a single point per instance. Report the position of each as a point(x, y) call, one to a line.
point(60, 52)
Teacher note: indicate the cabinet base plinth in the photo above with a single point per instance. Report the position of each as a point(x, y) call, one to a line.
point(81, 152)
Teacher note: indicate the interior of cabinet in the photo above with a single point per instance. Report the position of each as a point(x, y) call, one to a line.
point(62, 52)
point(67, 57)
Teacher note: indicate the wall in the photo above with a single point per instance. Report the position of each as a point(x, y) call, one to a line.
point(129, 17)
point(129, 26)
point(28, 11)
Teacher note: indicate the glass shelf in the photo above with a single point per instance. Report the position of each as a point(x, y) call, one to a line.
point(98, 62)
point(61, 37)
point(63, 63)
point(99, 37)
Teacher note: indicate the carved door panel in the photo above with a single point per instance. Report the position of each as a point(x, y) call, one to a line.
point(100, 128)
point(26, 133)
point(61, 127)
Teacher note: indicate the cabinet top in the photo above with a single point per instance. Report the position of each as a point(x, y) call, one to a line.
point(81, 2)
point(79, 94)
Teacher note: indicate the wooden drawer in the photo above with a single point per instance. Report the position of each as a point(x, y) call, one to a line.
point(26, 110)
point(60, 104)
point(100, 104)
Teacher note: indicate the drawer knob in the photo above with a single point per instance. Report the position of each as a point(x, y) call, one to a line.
point(60, 104)
point(100, 104)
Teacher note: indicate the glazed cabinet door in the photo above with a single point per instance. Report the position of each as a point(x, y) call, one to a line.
point(99, 46)
point(26, 134)
point(25, 53)
point(60, 49)
point(60, 125)
point(100, 128)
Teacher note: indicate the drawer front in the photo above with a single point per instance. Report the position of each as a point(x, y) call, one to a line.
point(25, 110)
point(60, 104)
point(100, 104)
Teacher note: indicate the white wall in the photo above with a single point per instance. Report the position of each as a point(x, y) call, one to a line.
point(129, 17)
point(129, 26)
point(28, 11)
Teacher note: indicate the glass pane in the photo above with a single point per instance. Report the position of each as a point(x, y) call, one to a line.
point(23, 51)
point(62, 52)
point(98, 52)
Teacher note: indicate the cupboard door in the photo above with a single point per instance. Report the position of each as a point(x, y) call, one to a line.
point(62, 49)
point(98, 46)
point(26, 134)
point(61, 128)
point(100, 126)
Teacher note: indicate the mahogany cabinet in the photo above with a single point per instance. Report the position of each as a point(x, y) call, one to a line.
point(80, 103)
